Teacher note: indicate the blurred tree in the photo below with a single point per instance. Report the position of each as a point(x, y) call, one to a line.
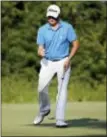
point(21, 20)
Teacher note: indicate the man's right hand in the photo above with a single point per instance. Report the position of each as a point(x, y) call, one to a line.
point(41, 51)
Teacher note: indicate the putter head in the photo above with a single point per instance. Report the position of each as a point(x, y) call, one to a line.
point(51, 118)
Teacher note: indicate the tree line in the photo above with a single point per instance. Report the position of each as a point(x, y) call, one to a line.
point(20, 21)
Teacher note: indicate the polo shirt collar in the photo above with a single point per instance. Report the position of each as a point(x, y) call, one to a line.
point(60, 25)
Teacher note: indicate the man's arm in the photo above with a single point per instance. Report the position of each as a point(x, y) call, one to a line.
point(41, 51)
point(74, 49)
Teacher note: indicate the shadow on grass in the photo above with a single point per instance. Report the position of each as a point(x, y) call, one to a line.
point(83, 122)
point(87, 122)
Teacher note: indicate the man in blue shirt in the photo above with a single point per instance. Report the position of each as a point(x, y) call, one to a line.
point(54, 39)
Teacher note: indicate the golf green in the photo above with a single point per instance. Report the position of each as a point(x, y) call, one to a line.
point(84, 118)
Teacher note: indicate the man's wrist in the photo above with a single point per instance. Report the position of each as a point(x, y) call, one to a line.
point(69, 57)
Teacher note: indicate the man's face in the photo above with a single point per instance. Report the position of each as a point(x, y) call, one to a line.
point(52, 21)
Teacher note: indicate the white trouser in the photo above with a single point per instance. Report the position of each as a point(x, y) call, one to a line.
point(47, 71)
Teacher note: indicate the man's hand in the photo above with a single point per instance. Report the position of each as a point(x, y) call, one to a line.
point(66, 64)
point(41, 51)
point(74, 49)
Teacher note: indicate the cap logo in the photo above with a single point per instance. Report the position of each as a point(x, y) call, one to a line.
point(52, 10)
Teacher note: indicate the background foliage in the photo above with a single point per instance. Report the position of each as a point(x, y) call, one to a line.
point(20, 62)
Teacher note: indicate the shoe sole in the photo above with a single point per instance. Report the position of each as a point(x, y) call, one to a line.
point(63, 126)
point(46, 113)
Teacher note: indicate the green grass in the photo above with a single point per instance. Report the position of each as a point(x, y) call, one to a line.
point(21, 90)
point(84, 118)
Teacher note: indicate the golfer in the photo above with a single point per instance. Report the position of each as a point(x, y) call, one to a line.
point(54, 40)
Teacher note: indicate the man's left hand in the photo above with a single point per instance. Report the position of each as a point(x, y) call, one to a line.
point(66, 64)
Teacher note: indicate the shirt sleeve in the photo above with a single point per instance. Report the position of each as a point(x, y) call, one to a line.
point(40, 37)
point(71, 35)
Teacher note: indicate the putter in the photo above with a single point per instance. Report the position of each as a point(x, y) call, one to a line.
point(53, 117)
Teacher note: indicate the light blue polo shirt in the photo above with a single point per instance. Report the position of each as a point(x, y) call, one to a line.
point(56, 42)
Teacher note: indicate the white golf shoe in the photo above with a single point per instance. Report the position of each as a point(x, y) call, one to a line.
point(40, 118)
point(61, 123)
